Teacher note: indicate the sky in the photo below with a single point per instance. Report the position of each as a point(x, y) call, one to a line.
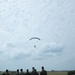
point(53, 21)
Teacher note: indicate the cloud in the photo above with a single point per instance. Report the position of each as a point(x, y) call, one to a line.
point(14, 31)
point(48, 50)
point(22, 50)
point(19, 53)
point(14, 50)
point(53, 47)
point(1, 1)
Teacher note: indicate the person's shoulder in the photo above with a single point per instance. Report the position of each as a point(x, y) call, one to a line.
point(32, 71)
point(28, 73)
point(45, 71)
point(22, 73)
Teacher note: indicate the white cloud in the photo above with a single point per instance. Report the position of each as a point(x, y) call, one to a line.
point(1, 1)
point(53, 47)
point(23, 50)
point(19, 53)
point(12, 50)
point(48, 50)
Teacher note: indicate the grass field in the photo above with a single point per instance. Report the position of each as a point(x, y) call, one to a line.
point(57, 73)
point(49, 73)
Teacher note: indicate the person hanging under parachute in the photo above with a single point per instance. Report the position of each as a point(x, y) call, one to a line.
point(34, 38)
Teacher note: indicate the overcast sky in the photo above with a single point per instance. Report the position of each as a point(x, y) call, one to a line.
point(53, 21)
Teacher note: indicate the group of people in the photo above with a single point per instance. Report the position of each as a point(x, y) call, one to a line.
point(33, 72)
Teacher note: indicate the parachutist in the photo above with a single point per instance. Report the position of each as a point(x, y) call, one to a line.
point(34, 46)
point(33, 38)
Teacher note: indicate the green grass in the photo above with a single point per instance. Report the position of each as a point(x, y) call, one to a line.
point(49, 73)
point(57, 73)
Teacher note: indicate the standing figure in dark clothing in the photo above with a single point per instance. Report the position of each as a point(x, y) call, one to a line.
point(6, 73)
point(43, 72)
point(27, 72)
point(21, 73)
point(17, 73)
point(34, 72)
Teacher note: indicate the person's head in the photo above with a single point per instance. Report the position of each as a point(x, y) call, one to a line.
point(17, 70)
point(6, 70)
point(21, 70)
point(42, 68)
point(27, 70)
point(33, 68)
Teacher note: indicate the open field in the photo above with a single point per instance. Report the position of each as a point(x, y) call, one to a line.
point(49, 73)
point(57, 73)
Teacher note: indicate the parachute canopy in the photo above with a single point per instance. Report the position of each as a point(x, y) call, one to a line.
point(34, 38)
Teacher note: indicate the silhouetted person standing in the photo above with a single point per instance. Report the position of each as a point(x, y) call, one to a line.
point(6, 73)
point(17, 73)
point(27, 72)
point(21, 73)
point(34, 72)
point(43, 72)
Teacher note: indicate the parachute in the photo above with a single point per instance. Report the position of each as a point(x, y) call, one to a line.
point(35, 38)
